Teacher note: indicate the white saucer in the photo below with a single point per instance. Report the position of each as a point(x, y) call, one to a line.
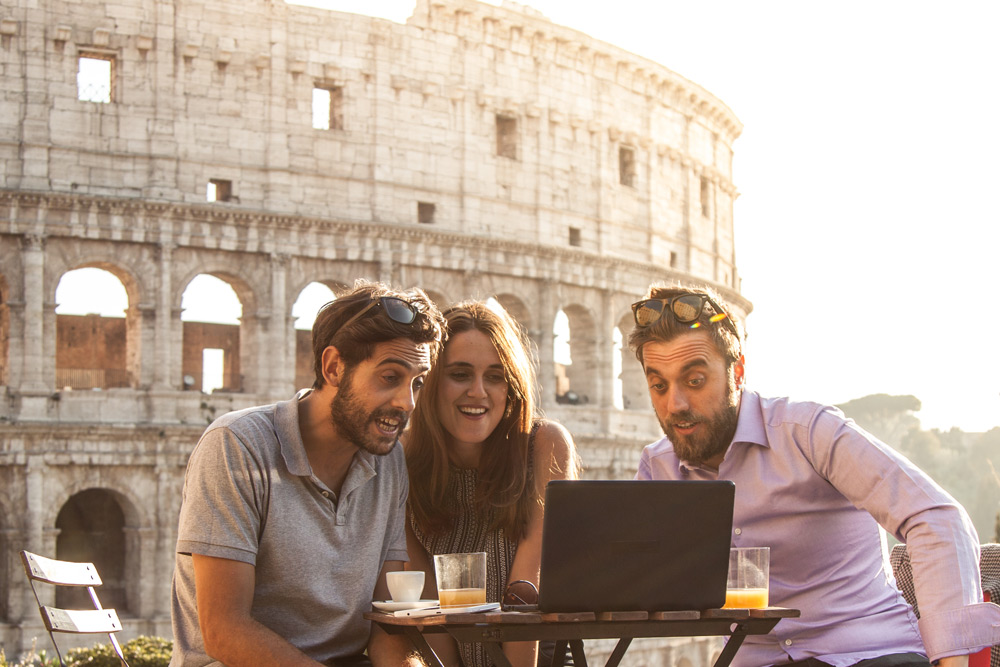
point(389, 605)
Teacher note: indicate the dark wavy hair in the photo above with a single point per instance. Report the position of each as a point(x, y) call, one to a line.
point(357, 342)
point(667, 327)
point(505, 491)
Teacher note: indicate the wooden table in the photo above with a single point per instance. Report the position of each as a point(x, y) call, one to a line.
point(570, 629)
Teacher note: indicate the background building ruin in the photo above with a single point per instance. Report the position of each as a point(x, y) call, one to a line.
point(475, 151)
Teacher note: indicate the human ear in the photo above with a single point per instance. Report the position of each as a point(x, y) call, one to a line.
point(739, 372)
point(333, 366)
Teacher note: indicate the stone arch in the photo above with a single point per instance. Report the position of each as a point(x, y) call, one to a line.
point(579, 383)
point(303, 354)
point(95, 351)
point(237, 341)
point(517, 309)
point(686, 662)
point(634, 394)
point(93, 525)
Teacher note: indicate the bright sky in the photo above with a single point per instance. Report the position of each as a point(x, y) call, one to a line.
point(866, 228)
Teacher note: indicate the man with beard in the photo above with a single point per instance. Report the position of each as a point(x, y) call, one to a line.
point(814, 487)
point(293, 512)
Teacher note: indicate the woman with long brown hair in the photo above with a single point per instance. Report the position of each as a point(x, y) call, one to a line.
point(479, 459)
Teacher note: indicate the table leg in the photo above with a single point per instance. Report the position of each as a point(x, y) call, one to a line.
point(619, 652)
point(734, 643)
point(426, 652)
point(559, 654)
point(579, 657)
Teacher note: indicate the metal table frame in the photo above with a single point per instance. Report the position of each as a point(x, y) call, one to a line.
point(570, 629)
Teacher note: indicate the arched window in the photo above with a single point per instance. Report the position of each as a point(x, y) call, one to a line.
point(211, 314)
point(575, 356)
point(93, 337)
point(631, 385)
point(312, 297)
point(91, 529)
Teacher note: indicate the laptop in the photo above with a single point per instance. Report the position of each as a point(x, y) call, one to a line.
point(610, 545)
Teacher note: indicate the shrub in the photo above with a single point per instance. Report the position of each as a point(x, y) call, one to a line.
point(139, 652)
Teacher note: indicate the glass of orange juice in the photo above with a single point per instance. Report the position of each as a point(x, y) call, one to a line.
point(746, 586)
point(461, 578)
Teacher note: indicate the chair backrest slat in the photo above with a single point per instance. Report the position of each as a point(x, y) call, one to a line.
point(60, 572)
point(83, 621)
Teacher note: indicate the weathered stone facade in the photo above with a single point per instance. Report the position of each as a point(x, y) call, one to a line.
point(475, 151)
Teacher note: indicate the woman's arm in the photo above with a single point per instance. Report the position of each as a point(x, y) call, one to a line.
point(442, 644)
point(554, 458)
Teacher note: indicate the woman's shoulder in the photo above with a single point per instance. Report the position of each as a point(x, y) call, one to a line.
point(553, 439)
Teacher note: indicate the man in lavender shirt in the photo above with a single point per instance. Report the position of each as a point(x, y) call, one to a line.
point(814, 487)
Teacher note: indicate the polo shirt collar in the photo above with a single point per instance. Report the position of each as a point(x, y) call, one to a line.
point(286, 427)
point(293, 450)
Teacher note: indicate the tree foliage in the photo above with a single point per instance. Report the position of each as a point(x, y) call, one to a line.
point(966, 465)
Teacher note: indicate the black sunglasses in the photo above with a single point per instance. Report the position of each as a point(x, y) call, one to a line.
point(398, 310)
point(686, 309)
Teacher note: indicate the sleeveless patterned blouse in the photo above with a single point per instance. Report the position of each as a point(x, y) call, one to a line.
point(470, 533)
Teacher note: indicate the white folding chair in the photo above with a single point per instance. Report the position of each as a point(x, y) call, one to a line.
point(75, 621)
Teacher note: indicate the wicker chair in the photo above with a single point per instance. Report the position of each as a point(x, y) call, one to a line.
point(989, 566)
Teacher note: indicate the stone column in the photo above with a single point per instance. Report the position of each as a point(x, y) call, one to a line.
point(33, 254)
point(162, 347)
point(282, 331)
point(604, 350)
point(548, 304)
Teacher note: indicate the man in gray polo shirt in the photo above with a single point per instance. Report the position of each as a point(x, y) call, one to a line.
point(293, 512)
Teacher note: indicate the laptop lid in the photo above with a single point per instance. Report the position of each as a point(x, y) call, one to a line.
point(617, 545)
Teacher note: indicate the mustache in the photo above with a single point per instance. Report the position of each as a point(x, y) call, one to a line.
point(686, 416)
point(388, 413)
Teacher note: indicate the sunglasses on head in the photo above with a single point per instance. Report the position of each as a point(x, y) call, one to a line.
point(686, 309)
point(398, 310)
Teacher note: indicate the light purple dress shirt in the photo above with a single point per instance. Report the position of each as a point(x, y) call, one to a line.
point(814, 487)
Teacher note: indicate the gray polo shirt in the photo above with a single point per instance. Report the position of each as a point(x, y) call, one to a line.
point(250, 496)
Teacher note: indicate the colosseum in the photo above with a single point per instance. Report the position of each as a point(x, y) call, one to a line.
point(476, 151)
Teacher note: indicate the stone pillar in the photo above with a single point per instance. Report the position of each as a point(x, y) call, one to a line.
point(162, 339)
point(548, 304)
point(387, 269)
point(33, 254)
point(36, 538)
point(282, 328)
point(167, 511)
point(604, 349)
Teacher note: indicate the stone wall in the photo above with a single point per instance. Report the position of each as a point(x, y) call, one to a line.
point(475, 151)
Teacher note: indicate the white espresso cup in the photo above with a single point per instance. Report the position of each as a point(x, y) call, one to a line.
point(405, 585)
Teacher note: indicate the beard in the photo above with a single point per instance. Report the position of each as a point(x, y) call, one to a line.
point(717, 432)
point(354, 424)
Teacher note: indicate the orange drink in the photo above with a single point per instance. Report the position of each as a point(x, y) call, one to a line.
point(461, 578)
point(451, 597)
point(745, 598)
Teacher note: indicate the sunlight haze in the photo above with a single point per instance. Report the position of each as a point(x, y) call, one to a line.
point(866, 226)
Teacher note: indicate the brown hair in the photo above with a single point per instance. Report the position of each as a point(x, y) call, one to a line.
point(667, 327)
point(505, 491)
point(357, 342)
